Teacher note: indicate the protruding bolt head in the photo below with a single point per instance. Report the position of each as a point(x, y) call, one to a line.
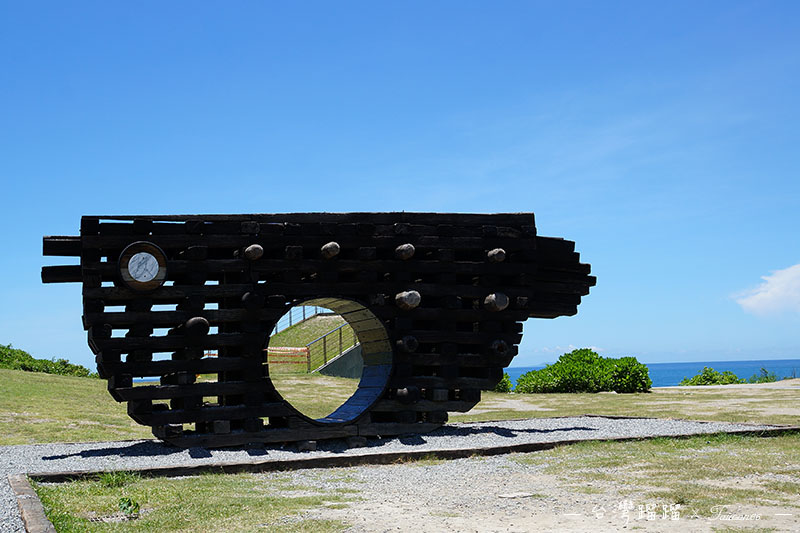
point(252, 300)
point(498, 255)
point(254, 252)
point(197, 326)
point(497, 301)
point(408, 395)
point(499, 347)
point(408, 344)
point(330, 250)
point(405, 251)
point(407, 299)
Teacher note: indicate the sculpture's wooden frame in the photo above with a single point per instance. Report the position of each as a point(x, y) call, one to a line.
point(437, 301)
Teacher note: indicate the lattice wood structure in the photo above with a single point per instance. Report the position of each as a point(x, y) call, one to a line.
point(437, 301)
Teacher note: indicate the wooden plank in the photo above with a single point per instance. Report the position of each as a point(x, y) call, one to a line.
point(460, 360)
point(465, 337)
point(349, 244)
point(61, 274)
point(206, 365)
point(170, 318)
point(499, 219)
point(165, 392)
point(225, 412)
point(434, 382)
point(61, 245)
point(172, 343)
point(214, 293)
point(423, 405)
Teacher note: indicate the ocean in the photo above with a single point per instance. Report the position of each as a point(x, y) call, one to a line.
point(669, 374)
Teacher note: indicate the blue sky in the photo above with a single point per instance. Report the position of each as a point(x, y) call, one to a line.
point(661, 137)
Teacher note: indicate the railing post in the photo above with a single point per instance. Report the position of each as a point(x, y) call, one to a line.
point(325, 350)
point(308, 359)
point(340, 341)
point(304, 312)
point(290, 318)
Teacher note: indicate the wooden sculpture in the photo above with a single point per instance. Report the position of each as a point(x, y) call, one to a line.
point(437, 302)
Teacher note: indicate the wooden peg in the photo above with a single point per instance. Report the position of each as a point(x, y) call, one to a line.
point(330, 250)
point(499, 347)
point(404, 251)
point(497, 301)
point(408, 395)
point(197, 326)
point(498, 255)
point(407, 300)
point(252, 301)
point(408, 344)
point(254, 252)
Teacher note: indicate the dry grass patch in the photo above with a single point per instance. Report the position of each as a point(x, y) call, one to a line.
point(698, 473)
point(756, 404)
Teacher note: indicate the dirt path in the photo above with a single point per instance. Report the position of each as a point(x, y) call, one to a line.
point(499, 494)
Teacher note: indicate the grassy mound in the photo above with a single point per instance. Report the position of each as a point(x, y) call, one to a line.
point(306, 331)
point(36, 407)
point(16, 359)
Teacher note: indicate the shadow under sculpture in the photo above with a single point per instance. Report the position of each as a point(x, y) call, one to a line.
point(437, 301)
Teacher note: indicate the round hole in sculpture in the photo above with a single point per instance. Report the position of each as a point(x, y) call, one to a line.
point(330, 358)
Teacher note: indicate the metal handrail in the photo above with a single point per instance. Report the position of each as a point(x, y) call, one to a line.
point(314, 346)
point(296, 315)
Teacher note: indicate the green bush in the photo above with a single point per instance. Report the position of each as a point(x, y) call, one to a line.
point(709, 376)
point(504, 385)
point(16, 359)
point(763, 377)
point(629, 375)
point(584, 370)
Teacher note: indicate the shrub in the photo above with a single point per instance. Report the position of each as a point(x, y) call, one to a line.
point(16, 359)
point(709, 376)
point(504, 385)
point(629, 375)
point(584, 370)
point(763, 377)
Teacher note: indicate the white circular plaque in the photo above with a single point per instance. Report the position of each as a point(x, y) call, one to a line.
point(143, 267)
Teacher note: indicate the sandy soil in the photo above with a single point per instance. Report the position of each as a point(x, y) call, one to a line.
point(498, 495)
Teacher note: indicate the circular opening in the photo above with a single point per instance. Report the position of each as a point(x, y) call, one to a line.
point(330, 358)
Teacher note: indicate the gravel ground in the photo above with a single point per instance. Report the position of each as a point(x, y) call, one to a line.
point(131, 455)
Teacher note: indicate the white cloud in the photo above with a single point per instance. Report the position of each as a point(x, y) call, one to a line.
point(779, 292)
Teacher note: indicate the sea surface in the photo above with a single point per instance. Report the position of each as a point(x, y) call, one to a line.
point(669, 374)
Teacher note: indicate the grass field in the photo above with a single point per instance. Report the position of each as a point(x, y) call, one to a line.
point(206, 503)
point(699, 471)
point(47, 408)
point(38, 407)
